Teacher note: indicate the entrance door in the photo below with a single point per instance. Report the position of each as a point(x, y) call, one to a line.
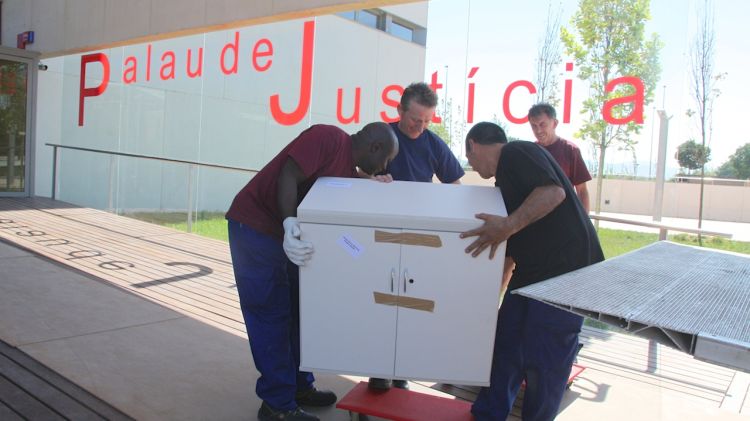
point(15, 123)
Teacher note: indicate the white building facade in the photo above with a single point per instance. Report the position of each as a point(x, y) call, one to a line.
point(229, 98)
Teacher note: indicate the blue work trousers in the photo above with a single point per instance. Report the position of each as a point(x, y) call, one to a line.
point(268, 287)
point(534, 342)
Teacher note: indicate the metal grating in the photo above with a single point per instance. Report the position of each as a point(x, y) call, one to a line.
point(694, 299)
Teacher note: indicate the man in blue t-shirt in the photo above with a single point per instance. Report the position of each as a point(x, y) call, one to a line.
point(422, 155)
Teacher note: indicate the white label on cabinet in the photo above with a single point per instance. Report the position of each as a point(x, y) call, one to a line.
point(339, 184)
point(351, 246)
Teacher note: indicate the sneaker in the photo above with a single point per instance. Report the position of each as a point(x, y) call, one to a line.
point(266, 413)
point(379, 384)
point(401, 384)
point(315, 397)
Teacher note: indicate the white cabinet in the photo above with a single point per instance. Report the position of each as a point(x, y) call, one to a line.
point(390, 291)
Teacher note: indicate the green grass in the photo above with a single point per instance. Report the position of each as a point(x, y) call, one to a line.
point(215, 228)
point(617, 242)
point(614, 242)
point(207, 224)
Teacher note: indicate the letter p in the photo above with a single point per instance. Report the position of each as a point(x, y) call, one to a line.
point(84, 91)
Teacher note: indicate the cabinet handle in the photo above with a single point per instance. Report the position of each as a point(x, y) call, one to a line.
point(406, 278)
point(393, 276)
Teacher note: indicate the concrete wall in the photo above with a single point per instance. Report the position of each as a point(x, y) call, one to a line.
point(69, 26)
point(720, 203)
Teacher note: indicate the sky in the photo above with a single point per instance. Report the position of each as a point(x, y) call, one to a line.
point(502, 37)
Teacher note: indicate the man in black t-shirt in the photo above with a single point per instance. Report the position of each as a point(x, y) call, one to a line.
point(548, 234)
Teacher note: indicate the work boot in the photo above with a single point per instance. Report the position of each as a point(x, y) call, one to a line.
point(401, 384)
point(266, 413)
point(379, 384)
point(315, 397)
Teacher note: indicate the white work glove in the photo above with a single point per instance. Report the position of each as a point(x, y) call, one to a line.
point(298, 251)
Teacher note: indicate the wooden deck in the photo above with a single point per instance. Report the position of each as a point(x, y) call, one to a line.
point(31, 391)
point(185, 272)
point(193, 275)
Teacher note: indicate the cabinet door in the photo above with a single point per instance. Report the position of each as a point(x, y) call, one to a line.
point(343, 330)
point(454, 341)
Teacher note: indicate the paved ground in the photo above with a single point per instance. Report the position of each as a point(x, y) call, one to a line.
point(153, 362)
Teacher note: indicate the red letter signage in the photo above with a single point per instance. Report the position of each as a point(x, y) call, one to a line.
point(235, 52)
point(637, 99)
point(83, 91)
point(392, 102)
point(266, 52)
point(506, 100)
point(340, 114)
point(288, 119)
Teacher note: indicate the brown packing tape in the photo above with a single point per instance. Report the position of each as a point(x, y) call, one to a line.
point(409, 238)
point(406, 302)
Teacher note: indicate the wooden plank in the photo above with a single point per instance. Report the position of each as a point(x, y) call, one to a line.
point(663, 362)
point(663, 365)
point(54, 391)
point(8, 414)
point(23, 403)
point(736, 393)
point(639, 350)
point(158, 271)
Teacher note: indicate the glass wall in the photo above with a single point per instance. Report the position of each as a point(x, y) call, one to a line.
point(236, 97)
point(489, 57)
point(232, 98)
point(14, 82)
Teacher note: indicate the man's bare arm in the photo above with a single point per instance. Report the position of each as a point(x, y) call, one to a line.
point(290, 177)
point(497, 229)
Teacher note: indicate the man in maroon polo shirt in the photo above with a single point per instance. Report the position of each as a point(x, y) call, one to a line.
point(264, 239)
point(543, 121)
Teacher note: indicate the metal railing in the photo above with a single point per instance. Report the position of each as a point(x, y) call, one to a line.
point(191, 168)
point(663, 229)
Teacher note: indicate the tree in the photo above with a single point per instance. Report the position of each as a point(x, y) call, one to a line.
point(495, 119)
point(442, 129)
point(692, 156)
point(703, 84)
point(548, 60)
point(726, 170)
point(610, 42)
point(738, 165)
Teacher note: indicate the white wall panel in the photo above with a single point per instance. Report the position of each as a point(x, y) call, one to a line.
point(124, 19)
point(84, 24)
point(67, 26)
point(175, 15)
point(17, 18)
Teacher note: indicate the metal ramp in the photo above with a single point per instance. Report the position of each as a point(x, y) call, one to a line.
point(694, 299)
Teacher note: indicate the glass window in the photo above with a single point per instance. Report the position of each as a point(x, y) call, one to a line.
point(347, 15)
point(402, 31)
point(13, 83)
point(368, 18)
